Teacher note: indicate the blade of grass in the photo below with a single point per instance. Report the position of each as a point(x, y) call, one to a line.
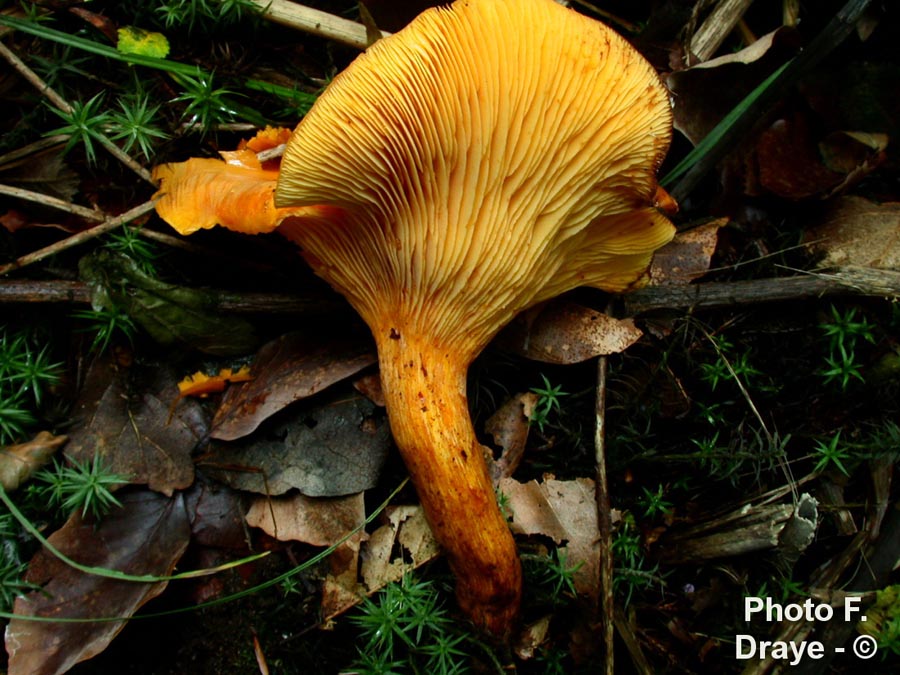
point(319, 557)
point(110, 573)
point(715, 137)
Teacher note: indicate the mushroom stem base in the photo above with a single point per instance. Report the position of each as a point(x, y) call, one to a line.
point(425, 391)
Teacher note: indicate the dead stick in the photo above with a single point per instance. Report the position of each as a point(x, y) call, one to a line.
point(315, 22)
point(604, 523)
point(78, 292)
point(710, 36)
point(52, 202)
point(844, 280)
point(107, 226)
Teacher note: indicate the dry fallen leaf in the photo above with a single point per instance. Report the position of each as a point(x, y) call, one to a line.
point(125, 418)
point(403, 543)
point(148, 535)
point(19, 462)
point(858, 232)
point(509, 428)
point(565, 511)
point(687, 256)
point(286, 370)
point(564, 332)
point(318, 522)
point(324, 448)
point(532, 637)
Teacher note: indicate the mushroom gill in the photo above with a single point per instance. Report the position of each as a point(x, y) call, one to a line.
point(491, 155)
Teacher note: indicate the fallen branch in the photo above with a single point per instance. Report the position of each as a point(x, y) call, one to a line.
point(711, 295)
point(52, 202)
point(315, 22)
point(78, 292)
point(107, 225)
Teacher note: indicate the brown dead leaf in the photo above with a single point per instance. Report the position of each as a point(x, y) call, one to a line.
point(532, 637)
point(19, 462)
point(856, 231)
point(44, 172)
point(509, 429)
point(563, 332)
point(370, 387)
point(324, 448)
point(319, 522)
point(148, 535)
point(217, 517)
point(687, 256)
point(125, 418)
point(403, 543)
point(565, 511)
point(286, 370)
point(788, 163)
point(314, 521)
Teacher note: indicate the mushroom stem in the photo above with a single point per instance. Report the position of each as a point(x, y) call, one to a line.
point(425, 390)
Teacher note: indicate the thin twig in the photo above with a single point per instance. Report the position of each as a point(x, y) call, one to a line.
point(315, 22)
point(607, 595)
point(710, 36)
point(107, 226)
point(52, 202)
point(47, 91)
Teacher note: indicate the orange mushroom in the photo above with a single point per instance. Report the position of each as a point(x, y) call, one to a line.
point(491, 155)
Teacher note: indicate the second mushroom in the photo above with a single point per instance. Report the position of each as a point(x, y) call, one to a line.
point(491, 155)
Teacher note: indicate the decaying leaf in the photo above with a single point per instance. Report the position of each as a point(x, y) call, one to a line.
point(44, 171)
point(148, 535)
point(172, 315)
point(134, 40)
point(687, 256)
point(565, 511)
point(532, 637)
point(564, 332)
point(124, 417)
point(402, 543)
point(859, 232)
point(509, 428)
point(324, 448)
point(314, 521)
point(319, 522)
point(293, 367)
point(19, 462)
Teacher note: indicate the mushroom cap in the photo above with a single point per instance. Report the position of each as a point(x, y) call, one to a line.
point(491, 155)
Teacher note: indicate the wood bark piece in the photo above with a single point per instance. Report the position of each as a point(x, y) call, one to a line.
point(752, 527)
point(315, 22)
point(712, 33)
point(843, 280)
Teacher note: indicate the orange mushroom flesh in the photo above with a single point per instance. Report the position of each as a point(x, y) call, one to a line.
point(491, 155)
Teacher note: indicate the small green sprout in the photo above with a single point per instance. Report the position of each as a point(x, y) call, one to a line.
point(84, 125)
point(548, 401)
point(831, 453)
point(82, 486)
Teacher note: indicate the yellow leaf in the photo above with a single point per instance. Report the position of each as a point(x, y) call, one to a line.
point(133, 40)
